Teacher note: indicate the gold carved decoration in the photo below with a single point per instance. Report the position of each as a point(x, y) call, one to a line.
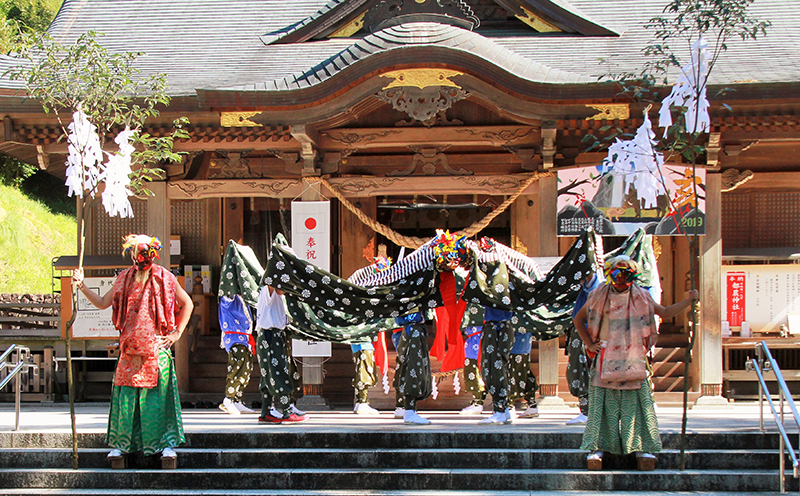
point(500, 184)
point(430, 159)
point(274, 187)
point(369, 250)
point(518, 245)
point(506, 135)
point(354, 138)
point(356, 186)
point(421, 78)
point(190, 189)
point(238, 119)
point(351, 28)
point(537, 22)
point(230, 165)
point(610, 111)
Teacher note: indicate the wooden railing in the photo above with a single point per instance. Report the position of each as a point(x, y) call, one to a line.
point(36, 325)
point(30, 321)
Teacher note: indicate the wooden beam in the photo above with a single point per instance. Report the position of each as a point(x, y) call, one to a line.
point(369, 138)
point(364, 186)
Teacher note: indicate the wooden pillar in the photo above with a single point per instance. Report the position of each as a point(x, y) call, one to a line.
point(708, 352)
point(232, 220)
point(534, 228)
point(159, 219)
point(159, 224)
point(355, 236)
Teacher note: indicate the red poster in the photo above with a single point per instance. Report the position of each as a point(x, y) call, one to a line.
point(736, 294)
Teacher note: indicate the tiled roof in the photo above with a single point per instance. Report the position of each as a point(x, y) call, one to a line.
point(208, 44)
point(428, 35)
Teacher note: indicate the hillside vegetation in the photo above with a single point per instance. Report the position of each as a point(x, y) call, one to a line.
point(30, 237)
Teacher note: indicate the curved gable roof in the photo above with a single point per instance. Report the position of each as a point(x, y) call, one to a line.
point(336, 14)
point(421, 34)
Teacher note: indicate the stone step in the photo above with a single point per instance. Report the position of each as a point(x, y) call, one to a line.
point(356, 492)
point(412, 438)
point(330, 458)
point(238, 479)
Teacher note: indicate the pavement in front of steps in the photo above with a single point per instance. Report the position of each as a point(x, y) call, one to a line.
point(738, 417)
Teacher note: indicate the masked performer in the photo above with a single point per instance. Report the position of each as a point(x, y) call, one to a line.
point(150, 310)
point(617, 325)
point(274, 357)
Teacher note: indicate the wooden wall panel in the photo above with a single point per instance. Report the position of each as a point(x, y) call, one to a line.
point(355, 236)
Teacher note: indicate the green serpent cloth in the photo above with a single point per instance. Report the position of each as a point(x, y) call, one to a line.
point(543, 308)
point(240, 273)
point(147, 419)
point(326, 307)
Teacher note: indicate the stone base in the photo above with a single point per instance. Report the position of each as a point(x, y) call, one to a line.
point(312, 402)
point(712, 403)
point(551, 403)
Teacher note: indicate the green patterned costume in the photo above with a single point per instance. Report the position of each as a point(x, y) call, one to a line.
point(413, 378)
point(621, 421)
point(521, 381)
point(277, 377)
point(473, 382)
point(147, 419)
point(240, 367)
point(366, 374)
point(496, 340)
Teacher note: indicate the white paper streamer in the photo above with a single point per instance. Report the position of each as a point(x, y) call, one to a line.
point(457, 383)
point(385, 382)
point(434, 389)
point(686, 93)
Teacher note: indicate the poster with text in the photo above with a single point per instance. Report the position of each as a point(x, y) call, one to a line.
point(762, 295)
point(91, 322)
point(616, 203)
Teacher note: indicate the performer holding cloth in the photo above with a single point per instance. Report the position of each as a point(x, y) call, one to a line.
point(150, 310)
point(412, 377)
point(621, 328)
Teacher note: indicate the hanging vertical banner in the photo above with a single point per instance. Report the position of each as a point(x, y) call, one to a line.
point(311, 241)
point(311, 232)
point(736, 297)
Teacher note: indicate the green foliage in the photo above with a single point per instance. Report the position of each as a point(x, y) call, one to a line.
point(30, 237)
point(683, 22)
point(13, 172)
point(28, 16)
point(108, 88)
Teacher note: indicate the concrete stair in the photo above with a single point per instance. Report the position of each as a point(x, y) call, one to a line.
point(495, 460)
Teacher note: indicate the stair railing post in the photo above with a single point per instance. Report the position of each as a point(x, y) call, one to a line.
point(782, 450)
point(759, 364)
point(17, 395)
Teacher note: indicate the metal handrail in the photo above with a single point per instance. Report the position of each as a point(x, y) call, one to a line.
point(764, 362)
point(7, 352)
point(15, 374)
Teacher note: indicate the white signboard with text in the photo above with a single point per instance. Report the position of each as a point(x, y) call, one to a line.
point(311, 241)
point(91, 322)
point(770, 294)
